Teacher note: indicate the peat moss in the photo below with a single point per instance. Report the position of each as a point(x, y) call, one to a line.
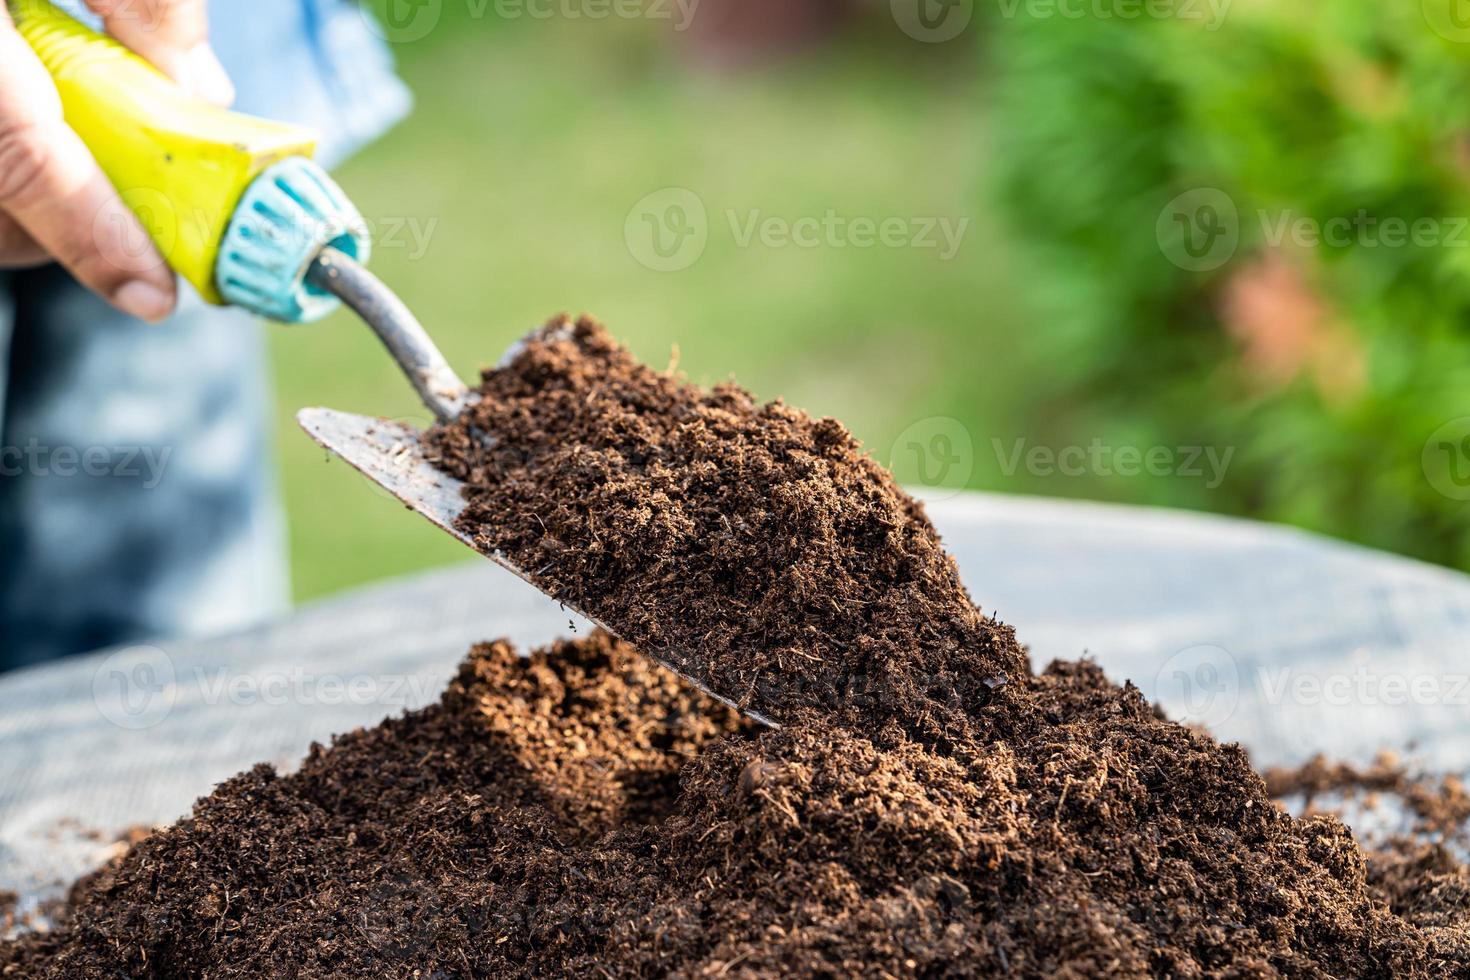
point(929, 806)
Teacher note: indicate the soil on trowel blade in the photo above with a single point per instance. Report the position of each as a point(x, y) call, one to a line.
point(929, 807)
point(747, 545)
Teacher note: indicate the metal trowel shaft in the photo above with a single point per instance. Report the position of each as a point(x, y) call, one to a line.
point(399, 330)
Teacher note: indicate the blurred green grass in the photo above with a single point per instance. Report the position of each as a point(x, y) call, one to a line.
point(531, 142)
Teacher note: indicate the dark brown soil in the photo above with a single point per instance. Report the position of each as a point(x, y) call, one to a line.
point(584, 813)
point(748, 546)
point(1416, 866)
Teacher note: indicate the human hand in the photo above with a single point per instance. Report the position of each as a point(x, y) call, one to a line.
point(56, 204)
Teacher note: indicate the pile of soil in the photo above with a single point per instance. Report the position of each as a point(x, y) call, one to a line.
point(584, 812)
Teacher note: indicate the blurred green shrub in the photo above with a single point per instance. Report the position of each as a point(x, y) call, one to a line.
point(1246, 226)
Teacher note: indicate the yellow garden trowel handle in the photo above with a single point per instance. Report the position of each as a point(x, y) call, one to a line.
point(234, 203)
point(184, 167)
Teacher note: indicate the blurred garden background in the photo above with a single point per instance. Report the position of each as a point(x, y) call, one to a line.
point(1133, 250)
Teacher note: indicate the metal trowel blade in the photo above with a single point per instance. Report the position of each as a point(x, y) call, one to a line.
point(391, 454)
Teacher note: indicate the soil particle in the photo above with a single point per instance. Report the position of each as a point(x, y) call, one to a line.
point(584, 812)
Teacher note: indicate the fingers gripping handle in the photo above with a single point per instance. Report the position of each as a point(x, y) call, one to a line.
point(185, 168)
